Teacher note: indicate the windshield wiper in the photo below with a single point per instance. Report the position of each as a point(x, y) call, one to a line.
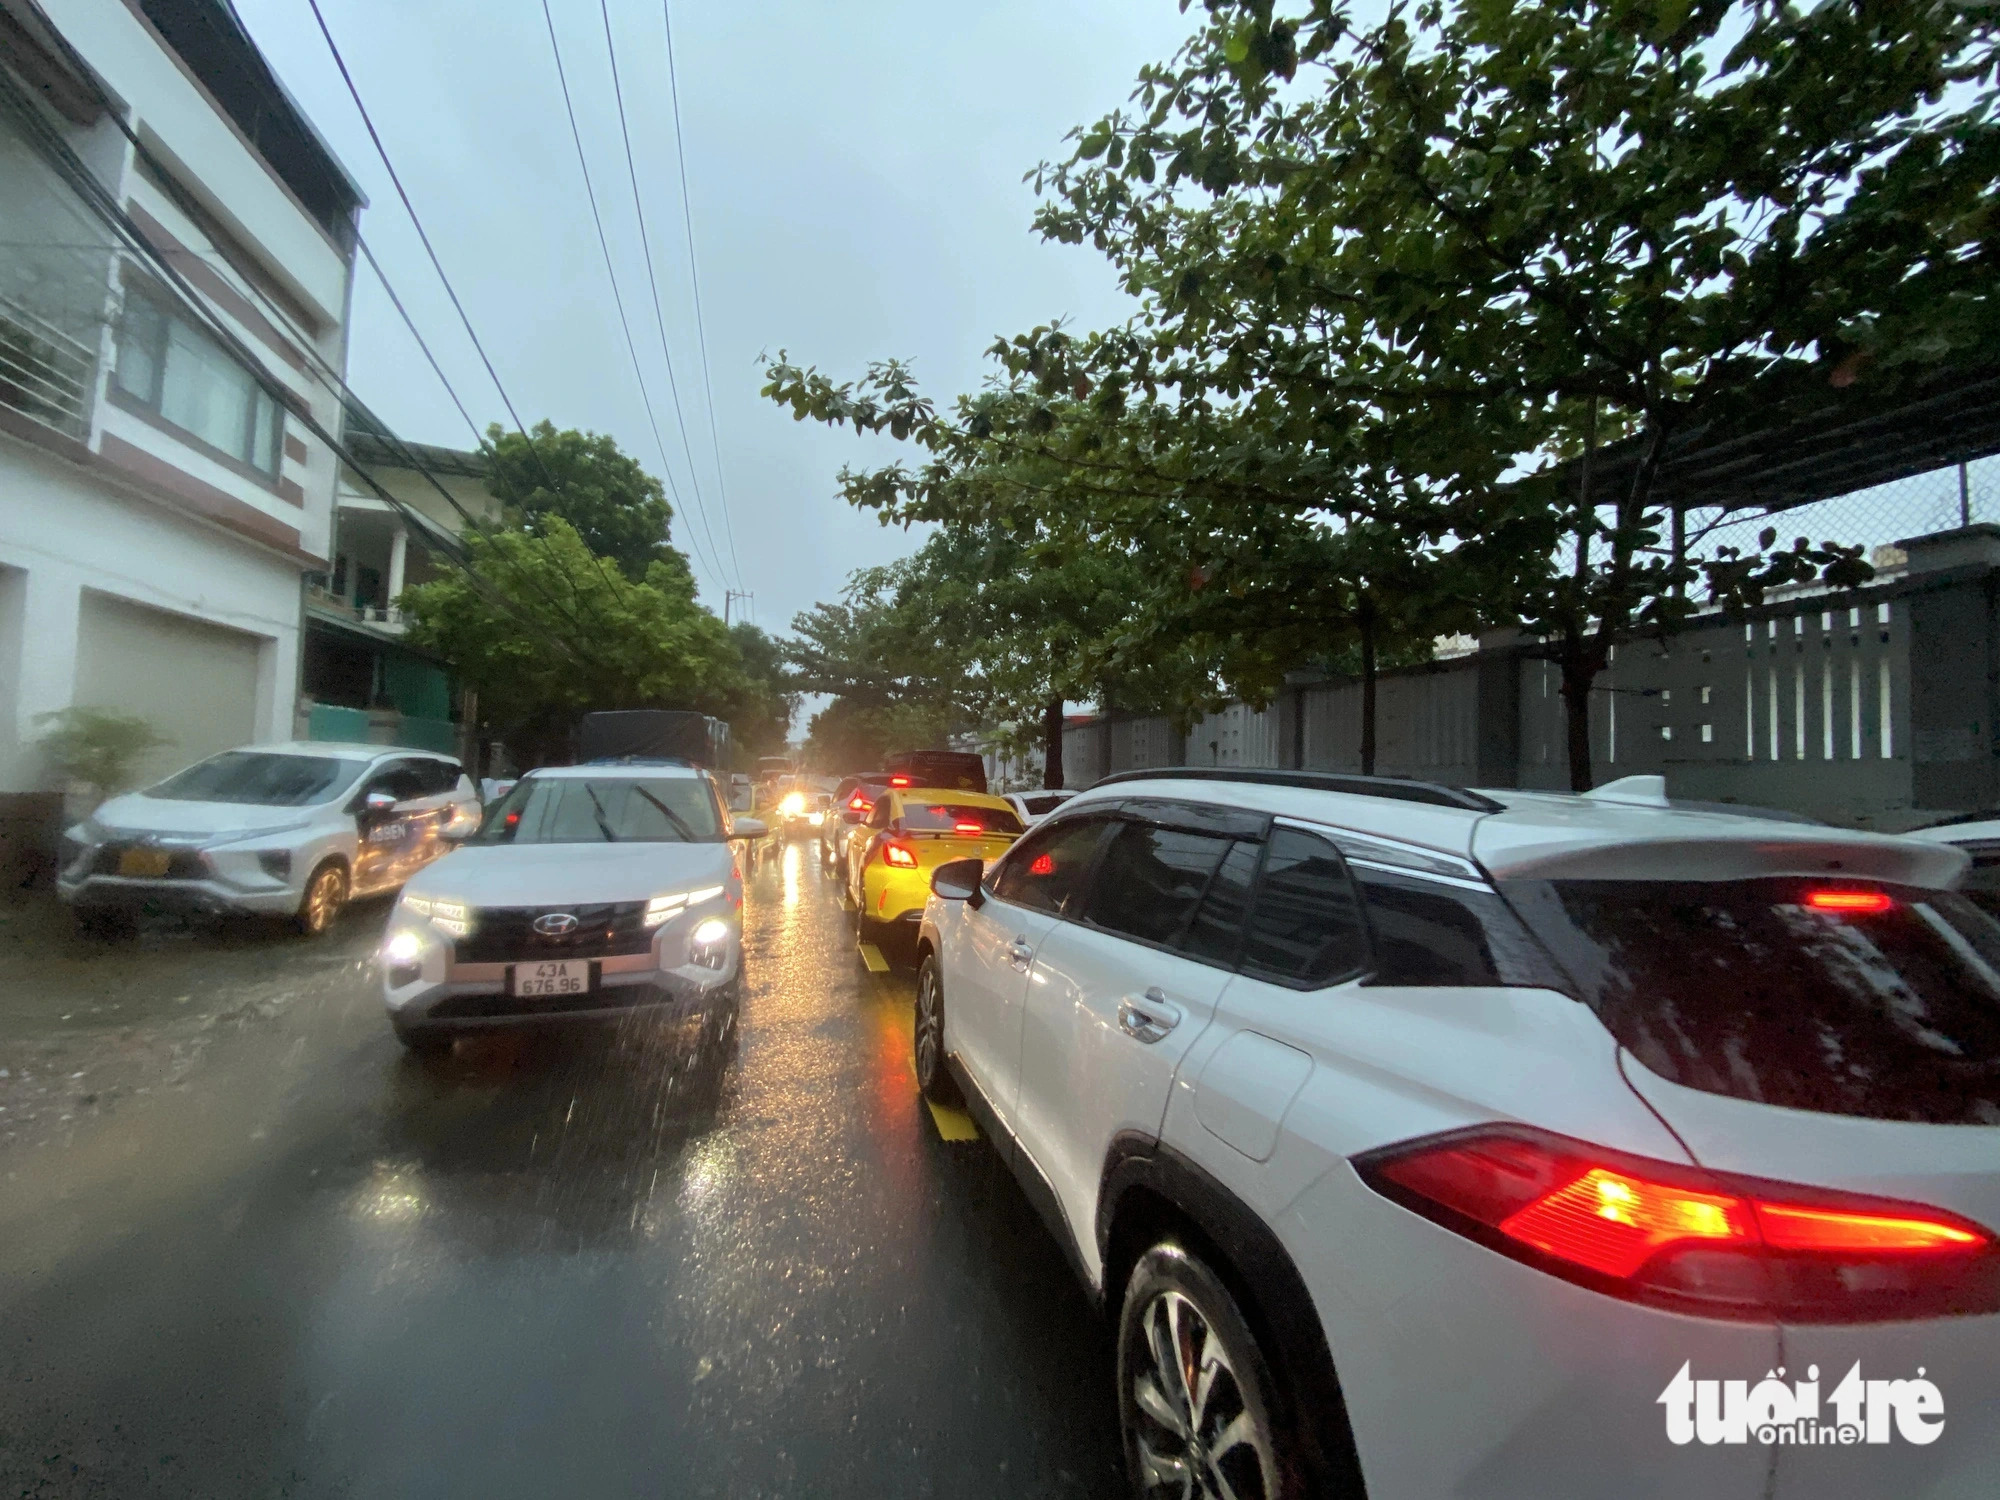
point(681, 825)
point(597, 812)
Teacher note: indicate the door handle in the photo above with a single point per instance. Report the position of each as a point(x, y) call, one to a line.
point(1020, 954)
point(1148, 1018)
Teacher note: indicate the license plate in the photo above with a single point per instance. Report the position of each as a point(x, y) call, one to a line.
point(541, 981)
point(143, 863)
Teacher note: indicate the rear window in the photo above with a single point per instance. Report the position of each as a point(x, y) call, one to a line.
point(955, 817)
point(1878, 1001)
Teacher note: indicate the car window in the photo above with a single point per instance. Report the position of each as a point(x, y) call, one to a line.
point(1036, 806)
point(261, 778)
point(878, 816)
point(401, 779)
point(611, 809)
point(1305, 926)
point(1215, 936)
point(1045, 870)
point(1873, 1000)
point(958, 817)
point(1425, 933)
point(1151, 879)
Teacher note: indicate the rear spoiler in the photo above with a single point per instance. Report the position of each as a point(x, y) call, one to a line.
point(1900, 861)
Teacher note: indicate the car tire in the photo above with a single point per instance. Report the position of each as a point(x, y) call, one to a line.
point(1176, 1313)
point(927, 1037)
point(425, 1043)
point(325, 894)
point(106, 924)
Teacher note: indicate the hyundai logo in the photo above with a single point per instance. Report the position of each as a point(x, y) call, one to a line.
point(555, 924)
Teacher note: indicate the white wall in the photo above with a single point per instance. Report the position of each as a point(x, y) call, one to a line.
point(64, 529)
point(179, 123)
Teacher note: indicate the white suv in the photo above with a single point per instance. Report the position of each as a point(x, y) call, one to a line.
point(1496, 1144)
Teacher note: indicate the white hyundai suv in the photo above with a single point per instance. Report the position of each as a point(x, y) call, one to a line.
point(589, 892)
point(1426, 1142)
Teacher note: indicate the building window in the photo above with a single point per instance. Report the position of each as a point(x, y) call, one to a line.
point(176, 371)
point(1666, 731)
point(1708, 734)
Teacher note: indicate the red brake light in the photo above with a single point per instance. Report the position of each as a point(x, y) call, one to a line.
point(899, 781)
point(1045, 864)
point(968, 828)
point(1858, 903)
point(860, 803)
point(902, 856)
point(1676, 1236)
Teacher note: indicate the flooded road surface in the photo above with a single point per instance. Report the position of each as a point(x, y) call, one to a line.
point(567, 1265)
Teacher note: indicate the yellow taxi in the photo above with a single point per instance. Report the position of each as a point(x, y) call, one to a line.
point(910, 832)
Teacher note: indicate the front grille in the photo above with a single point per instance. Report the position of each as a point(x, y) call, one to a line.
point(506, 934)
point(615, 997)
point(182, 864)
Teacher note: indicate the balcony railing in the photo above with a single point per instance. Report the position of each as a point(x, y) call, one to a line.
point(45, 373)
point(385, 615)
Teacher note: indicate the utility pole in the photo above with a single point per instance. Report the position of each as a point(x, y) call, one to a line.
point(729, 597)
point(1964, 496)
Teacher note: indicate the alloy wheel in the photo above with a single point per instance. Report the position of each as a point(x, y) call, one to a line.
point(324, 899)
point(930, 1029)
point(1195, 1431)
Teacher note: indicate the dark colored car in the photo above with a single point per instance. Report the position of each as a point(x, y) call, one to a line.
point(853, 800)
point(949, 770)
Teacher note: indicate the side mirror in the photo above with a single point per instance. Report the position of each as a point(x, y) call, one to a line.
point(747, 828)
point(849, 815)
point(958, 880)
point(378, 802)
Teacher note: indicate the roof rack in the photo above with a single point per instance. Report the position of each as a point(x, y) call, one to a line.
point(1398, 788)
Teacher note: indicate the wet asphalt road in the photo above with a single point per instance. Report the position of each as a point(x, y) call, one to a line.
point(570, 1265)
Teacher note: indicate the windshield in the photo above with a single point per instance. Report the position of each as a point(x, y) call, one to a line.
point(958, 817)
point(262, 779)
point(599, 810)
point(1854, 999)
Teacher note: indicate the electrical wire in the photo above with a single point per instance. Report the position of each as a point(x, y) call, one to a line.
point(95, 196)
point(624, 322)
point(410, 208)
point(652, 281)
point(694, 278)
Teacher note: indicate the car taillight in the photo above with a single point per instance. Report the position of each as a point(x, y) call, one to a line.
point(968, 828)
point(1698, 1242)
point(902, 856)
point(1855, 903)
point(899, 781)
point(860, 804)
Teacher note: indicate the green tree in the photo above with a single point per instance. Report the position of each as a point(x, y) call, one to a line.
point(96, 748)
point(585, 479)
point(571, 637)
point(1478, 242)
point(762, 708)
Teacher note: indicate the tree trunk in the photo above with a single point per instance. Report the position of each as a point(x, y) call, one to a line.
point(1052, 746)
point(1577, 677)
point(1365, 619)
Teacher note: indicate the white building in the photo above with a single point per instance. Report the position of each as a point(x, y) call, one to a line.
point(158, 499)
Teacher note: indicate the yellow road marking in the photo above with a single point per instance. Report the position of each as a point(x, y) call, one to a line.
point(952, 1124)
point(872, 956)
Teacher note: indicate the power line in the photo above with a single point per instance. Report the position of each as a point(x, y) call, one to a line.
point(99, 200)
point(389, 166)
point(694, 277)
point(624, 322)
point(659, 320)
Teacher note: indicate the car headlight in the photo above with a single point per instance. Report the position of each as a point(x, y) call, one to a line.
point(816, 819)
point(404, 947)
point(793, 804)
point(453, 917)
point(660, 908)
point(707, 944)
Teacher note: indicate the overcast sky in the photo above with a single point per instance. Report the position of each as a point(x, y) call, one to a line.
point(855, 172)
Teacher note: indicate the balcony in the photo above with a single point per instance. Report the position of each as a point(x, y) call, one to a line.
point(386, 618)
